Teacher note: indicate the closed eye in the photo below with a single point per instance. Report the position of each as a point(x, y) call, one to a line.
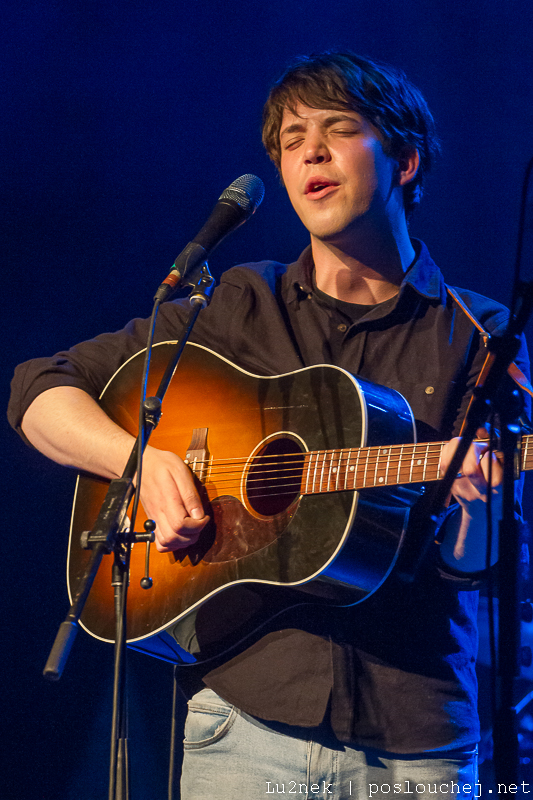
point(345, 131)
point(292, 143)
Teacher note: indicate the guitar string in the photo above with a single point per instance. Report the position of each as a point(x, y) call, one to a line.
point(372, 478)
point(335, 463)
point(339, 461)
point(331, 467)
point(297, 487)
point(323, 456)
point(379, 450)
point(366, 458)
point(350, 453)
point(417, 474)
point(325, 481)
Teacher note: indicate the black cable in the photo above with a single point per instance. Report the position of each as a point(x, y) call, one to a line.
point(142, 430)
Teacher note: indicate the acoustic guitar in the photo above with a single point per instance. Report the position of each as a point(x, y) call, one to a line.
point(308, 478)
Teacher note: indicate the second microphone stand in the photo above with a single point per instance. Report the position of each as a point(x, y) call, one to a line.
point(111, 534)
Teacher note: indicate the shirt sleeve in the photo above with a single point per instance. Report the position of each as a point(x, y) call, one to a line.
point(90, 365)
point(243, 323)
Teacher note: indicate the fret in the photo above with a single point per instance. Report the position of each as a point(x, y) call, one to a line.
point(314, 474)
point(437, 453)
point(378, 456)
point(375, 481)
point(353, 470)
point(425, 462)
point(356, 468)
point(413, 454)
point(400, 456)
point(309, 464)
point(317, 458)
point(328, 489)
point(436, 466)
point(416, 463)
point(387, 452)
point(420, 464)
point(322, 472)
point(525, 442)
point(347, 468)
point(366, 466)
point(412, 464)
point(338, 469)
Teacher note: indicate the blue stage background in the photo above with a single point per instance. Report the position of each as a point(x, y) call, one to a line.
point(123, 121)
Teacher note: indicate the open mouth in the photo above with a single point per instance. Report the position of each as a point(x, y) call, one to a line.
point(318, 185)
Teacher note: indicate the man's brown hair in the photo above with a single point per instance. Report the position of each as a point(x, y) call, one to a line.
point(380, 93)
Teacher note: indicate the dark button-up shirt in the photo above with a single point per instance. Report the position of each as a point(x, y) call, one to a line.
point(395, 672)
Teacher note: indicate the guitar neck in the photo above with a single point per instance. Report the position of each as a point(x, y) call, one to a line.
point(350, 469)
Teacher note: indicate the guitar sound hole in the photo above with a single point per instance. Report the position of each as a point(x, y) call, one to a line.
point(274, 479)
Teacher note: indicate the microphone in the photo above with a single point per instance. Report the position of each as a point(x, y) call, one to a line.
point(235, 205)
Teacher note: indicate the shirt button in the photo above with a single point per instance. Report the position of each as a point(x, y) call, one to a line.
point(429, 390)
point(342, 327)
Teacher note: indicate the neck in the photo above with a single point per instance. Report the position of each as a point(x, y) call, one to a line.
point(367, 270)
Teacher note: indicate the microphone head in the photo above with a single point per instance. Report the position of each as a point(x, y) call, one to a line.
point(247, 191)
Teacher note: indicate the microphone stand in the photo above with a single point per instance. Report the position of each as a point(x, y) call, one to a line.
point(111, 534)
point(505, 735)
point(509, 407)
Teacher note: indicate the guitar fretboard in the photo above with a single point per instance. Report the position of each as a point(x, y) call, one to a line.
point(360, 468)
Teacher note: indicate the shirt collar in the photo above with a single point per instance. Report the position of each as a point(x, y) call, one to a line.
point(423, 275)
point(300, 274)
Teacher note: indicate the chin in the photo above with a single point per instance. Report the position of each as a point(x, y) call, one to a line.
point(329, 231)
point(334, 235)
point(338, 232)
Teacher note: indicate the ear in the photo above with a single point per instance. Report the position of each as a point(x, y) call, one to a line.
point(408, 165)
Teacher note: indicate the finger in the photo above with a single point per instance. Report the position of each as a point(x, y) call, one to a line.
point(184, 492)
point(170, 497)
point(191, 499)
point(175, 490)
point(471, 467)
point(496, 473)
point(174, 527)
point(168, 539)
point(447, 453)
point(474, 480)
point(471, 481)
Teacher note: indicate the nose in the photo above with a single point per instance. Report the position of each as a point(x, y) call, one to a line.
point(316, 149)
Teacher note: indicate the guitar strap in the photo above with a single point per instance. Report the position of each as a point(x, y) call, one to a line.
point(516, 374)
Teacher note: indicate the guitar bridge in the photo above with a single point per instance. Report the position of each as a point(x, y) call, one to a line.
point(197, 457)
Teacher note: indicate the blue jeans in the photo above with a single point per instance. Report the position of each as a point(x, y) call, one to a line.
point(229, 755)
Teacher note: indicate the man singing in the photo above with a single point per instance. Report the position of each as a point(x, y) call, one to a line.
point(382, 693)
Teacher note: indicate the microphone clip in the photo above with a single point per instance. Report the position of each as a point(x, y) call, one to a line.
point(193, 254)
point(202, 283)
